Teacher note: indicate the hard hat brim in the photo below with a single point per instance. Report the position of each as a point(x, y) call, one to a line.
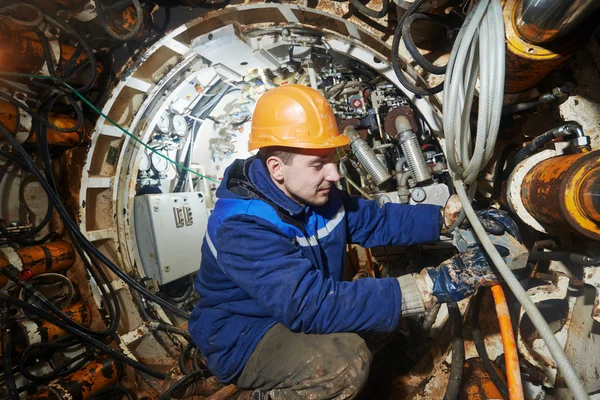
point(331, 143)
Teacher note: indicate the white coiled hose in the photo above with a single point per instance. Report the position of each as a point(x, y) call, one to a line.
point(479, 49)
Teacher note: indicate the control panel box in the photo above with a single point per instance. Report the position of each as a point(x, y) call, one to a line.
point(169, 231)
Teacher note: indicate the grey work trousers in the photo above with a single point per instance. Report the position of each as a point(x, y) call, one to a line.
point(305, 366)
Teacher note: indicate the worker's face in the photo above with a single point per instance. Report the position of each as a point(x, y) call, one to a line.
point(308, 178)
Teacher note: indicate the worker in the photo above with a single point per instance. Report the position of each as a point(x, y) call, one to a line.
point(274, 314)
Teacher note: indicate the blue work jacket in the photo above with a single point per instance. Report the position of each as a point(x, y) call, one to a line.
point(268, 259)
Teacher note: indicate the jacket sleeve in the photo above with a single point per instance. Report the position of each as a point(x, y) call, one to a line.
point(370, 224)
point(268, 266)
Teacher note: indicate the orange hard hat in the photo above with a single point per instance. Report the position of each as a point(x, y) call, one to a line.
point(294, 116)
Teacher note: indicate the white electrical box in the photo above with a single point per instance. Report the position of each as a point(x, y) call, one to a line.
point(169, 230)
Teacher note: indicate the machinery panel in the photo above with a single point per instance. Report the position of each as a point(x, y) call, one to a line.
point(169, 229)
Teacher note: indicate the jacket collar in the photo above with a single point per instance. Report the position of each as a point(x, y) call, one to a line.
point(260, 178)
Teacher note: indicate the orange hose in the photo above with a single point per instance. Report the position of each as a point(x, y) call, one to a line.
point(513, 372)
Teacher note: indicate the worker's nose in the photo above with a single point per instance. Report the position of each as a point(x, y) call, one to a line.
point(331, 173)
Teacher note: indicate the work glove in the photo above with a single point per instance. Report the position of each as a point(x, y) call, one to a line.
point(464, 273)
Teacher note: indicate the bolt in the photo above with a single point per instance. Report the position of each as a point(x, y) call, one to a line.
point(167, 268)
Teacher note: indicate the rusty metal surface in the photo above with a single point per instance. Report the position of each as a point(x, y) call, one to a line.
point(83, 383)
point(50, 257)
point(78, 312)
point(551, 192)
point(476, 384)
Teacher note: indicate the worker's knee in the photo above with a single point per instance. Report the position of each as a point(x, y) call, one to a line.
point(340, 376)
point(354, 377)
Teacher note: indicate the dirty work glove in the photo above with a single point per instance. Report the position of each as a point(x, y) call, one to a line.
point(457, 278)
point(496, 222)
point(461, 275)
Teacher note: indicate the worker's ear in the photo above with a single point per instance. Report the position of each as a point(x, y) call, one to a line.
point(275, 167)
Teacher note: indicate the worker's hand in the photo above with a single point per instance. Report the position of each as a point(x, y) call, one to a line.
point(457, 277)
point(496, 222)
point(461, 275)
point(450, 212)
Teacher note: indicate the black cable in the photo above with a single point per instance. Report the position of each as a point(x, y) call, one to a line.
point(183, 356)
point(385, 5)
point(540, 141)
point(499, 171)
point(564, 256)
point(83, 336)
point(90, 53)
point(49, 348)
point(161, 326)
point(396, 59)
point(22, 238)
point(7, 367)
point(95, 270)
point(46, 50)
point(79, 236)
point(410, 44)
point(498, 381)
point(45, 122)
point(183, 384)
point(458, 353)
point(139, 18)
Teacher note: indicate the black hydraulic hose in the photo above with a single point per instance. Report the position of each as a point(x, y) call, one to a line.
point(412, 49)
point(498, 381)
point(396, 59)
point(458, 353)
point(41, 120)
point(185, 353)
point(183, 384)
point(90, 53)
point(139, 18)
point(7, 367)
point(60, 370)
point(78, 235)
point(499, 171)
point(539, 142)
point(564, 256)
point(556, 93)
point(83, 336)
point(161, 326)
point(112, 306)
point(385, 5)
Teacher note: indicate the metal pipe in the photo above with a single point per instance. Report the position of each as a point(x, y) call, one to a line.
point(543, 21)
point(367, 157)
point(412, 150)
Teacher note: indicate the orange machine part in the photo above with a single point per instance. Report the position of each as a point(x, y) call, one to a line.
point(49, 257)
point(8, 116)
point(22, 51)
point(83, 383)
point(78, 312)
point(557, 191)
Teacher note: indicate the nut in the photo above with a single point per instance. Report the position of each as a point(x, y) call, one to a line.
point(582, 141)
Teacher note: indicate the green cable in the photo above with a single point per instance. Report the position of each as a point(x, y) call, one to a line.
point(110, 120)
